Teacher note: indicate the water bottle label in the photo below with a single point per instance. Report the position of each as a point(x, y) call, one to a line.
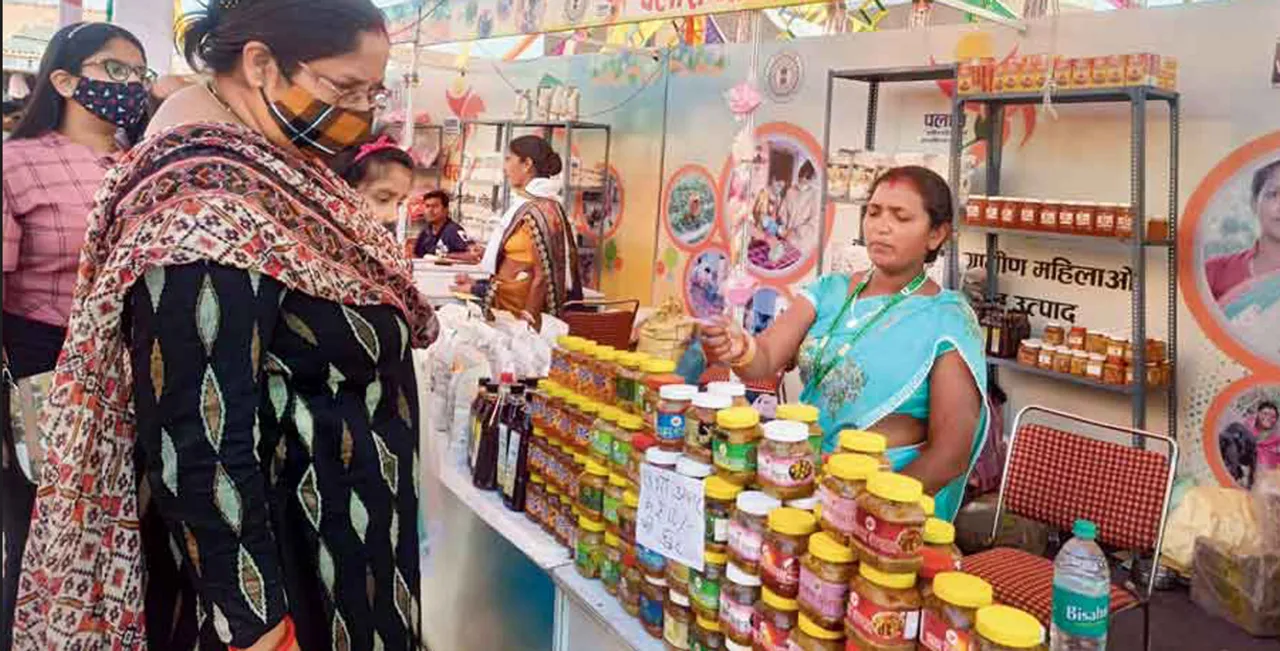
point(1080, 615)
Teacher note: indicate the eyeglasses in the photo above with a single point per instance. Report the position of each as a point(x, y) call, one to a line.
point(376, 97)
point(120, 71)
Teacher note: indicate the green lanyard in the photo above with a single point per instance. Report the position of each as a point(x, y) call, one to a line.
point(824, 365)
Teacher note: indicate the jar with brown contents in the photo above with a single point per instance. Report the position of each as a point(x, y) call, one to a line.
point(748, 527)
point(736, 391)
point(591, 487)
point(778, 619)
point(940, 536)
point(706, 635)
point(676, 619)
point(605, 375)
point(1062, 360)
point(884, 610)
point(719, 503)
point(653, 597)
point(807, 414)
point(891, 527)
point(627, 516)
point(630, 585)
point(705, 585)
point(845, 480)
point(785, 542)
point(1003, 628)
point(611, 563)
point(950, 610)
point(825, 572)
point(809, 636)
point(674, 401)
point(785, 460)
point(869, 443)
point(628, 426)
point(700, 425)
point(1029, 352)
point(1079, 363)
point(739, 594)
point(737, 439)
point(657, 374)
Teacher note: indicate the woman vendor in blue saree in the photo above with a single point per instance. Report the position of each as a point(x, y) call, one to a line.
point(885, 349)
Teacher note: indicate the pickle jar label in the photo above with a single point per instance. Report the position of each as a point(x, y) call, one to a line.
point(889, 539)
point(587, 561)
point(670, 426)
point(770, 637)
point(786, 470)
point(737, 618)
point(882, 625)
point(582, 435)
point(704, 592)
point(744, 542)
point(937, 635)
point(735, 457)
point(610, 572)
point(609, 505)
point(782, 570)
point(650, 611)
point(839, 512)
point(717, 529)
point(676, 632)
point(602, 443)
point(621, 452)
point(699, 434)
point(822, 597)
point(591, 498)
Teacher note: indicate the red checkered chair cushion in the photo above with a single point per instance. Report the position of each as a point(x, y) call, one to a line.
point(721, 374)
point(1056, 477)
point(1025, 581)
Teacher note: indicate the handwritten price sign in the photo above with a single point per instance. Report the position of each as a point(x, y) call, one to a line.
point(671, 519)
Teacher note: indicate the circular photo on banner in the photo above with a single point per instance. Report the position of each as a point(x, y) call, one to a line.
point(765, 306)
point(704, 281)
point(689, 207)
point(1231, 277)
point(1242, 431)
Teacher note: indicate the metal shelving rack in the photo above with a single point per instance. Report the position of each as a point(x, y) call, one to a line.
point(506, 131)
point(1137, 98)
point(437, 169)
point(874, 77)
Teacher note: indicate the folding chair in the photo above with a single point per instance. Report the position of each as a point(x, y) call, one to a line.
point(720, 373)
point(1062, 467)
point(600, 322)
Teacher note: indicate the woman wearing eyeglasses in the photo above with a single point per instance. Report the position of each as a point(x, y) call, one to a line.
point(234, 424)
point(92, 86)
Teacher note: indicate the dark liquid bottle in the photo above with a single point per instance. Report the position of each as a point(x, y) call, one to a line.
point(514, 456)
point(479, 407)
point(484, 448)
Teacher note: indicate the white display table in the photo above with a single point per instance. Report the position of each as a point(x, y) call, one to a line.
point(436, 281)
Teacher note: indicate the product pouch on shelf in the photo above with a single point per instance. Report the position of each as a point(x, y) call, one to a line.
point(1223, 515)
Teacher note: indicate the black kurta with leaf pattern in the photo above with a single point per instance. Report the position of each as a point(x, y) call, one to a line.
point(277, 440)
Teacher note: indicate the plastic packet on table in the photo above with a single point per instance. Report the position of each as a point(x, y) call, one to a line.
point(1266, 508)
point(1224, 515)
point(1240, 586)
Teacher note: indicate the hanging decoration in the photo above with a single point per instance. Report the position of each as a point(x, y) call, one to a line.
point(921, 14)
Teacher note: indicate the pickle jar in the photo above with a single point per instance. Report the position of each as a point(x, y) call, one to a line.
point(785, 464)
point(927, 505)
point(611, 563)
point(748, 527)
point(549, 512)
point(674, 401)
point(560, 360)
point(535, 498)
point(640, 446)
point(884, 610)
point(586, 386)
point(606, 374)
point(612, 502)
point(809, 636)
point(603, 432)
point(950, 610)
point(739, 594)
point(704, 586)
point(657, 374)
point(719, 504)
point(582, 418)
point(591, 487)
point(678, 576)
point(629, 426)
point(676, 620)
point(825, 573)
point(736, 391)
point(589, 552)
point(784, 543)
point(630, 585)
point(652, 563)
point(868, 443)
point(1029, 352)
point(572, 347)
point(807, 414)
point(700, 425)
point(627, 516)
point(737, 440)
point(706, 635)
point(891, 523)
point(841, 486)
point(653, 596)
point(628, 379)
point(778, 617)
point(1004, 628)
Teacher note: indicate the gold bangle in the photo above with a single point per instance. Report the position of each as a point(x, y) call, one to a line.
point(748, 356)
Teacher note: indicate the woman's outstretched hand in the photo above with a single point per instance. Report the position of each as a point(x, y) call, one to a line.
point(722, 340)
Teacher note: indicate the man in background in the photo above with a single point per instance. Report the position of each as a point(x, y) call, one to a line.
point(442, 236)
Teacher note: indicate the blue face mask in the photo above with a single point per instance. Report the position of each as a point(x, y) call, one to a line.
point(123, 104)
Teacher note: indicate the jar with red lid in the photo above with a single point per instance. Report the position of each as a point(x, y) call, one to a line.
point(1029, 214)
point(1104, 222)
point(1010, 209)
point(1048, 220)
point(1077, 337)
point(991, 214)
point(974, 208)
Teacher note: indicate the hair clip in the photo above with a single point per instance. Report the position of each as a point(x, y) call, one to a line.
point(381, 143)
point(228, 4)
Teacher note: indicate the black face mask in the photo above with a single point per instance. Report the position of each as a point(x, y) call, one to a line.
point(123, 104)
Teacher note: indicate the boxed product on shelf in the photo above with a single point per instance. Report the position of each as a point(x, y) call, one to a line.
point(1029, 72)
point(839, 174)
point(1057, 215)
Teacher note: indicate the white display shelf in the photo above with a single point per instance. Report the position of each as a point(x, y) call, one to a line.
point(526, 536)
point(604, 608)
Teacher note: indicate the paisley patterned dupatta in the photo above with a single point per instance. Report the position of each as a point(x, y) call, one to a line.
point(204, 192)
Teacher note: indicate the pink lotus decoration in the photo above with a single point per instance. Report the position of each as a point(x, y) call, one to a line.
point(743, 99)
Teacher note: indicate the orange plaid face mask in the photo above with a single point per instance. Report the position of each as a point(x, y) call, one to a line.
point(317, 126)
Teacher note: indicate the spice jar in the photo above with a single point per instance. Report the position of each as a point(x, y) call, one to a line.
point(1093, 369)
point(706, 635)
point(1004, 628)
point(1029, 214)
point(720, 497)
point(1054, 334)
point(627, 516)
point(807, 414)
point(657, 374)
point(973, 209)
point(950, 610)
point(825, 572)
point(1067, 217)
point(1010, 208)
point(1085, 212)
point(884, 610)
point(737, 437)
point(738, 596)
point(868, 443)
point(704, 586)
point(602, 435)
point(674, 401)
point(1049, 215)
point(844, 481)
point(1079, 363)
point(675, 622)
point(891, 523)
point(591, 485)
point(736, 391)
point(786, 469)
point(653, 597)
point(1096, 342)
point(1062, 359)
point(628, 425)
point(1077, 337)
point(628, 379)
point(1124, 221)
point(560, 360)
point(747, 529)
point(611, 563)
point(631, 584)
point(991, 213)
point(640, 446)
point(784, 543)
point(1104, 222)
point(940, 536)
point(1113, 371)
point(809, 636)
point(589, 552)
point(1046, 355)
point(700, 424)
point(606, 374)
point(778, 619)
point(1029, 352)
point(612, 502)
point(535, 497)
